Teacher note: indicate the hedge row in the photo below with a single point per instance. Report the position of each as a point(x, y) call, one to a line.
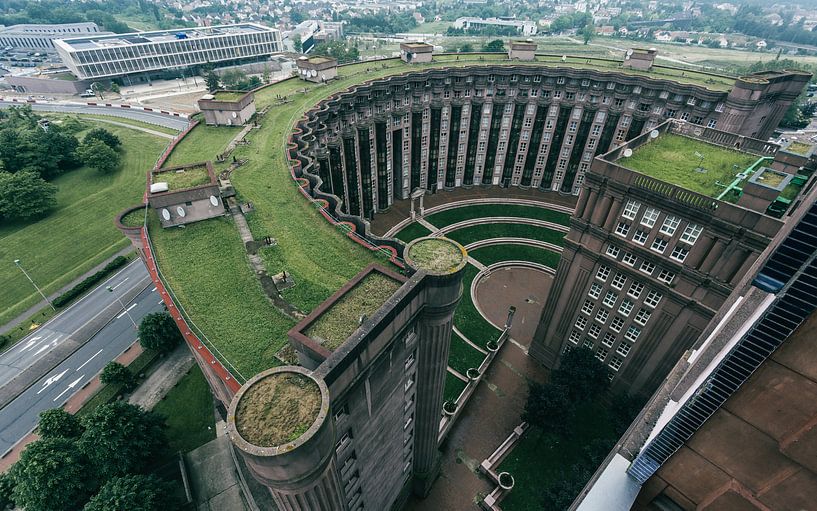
point(116, 263)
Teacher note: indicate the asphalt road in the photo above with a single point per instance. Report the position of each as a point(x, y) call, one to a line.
point(176, 123)
point(20, 416)
point(61, 327)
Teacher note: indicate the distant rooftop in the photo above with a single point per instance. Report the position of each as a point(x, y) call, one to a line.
point(319, 59)
point(697, 166)
point(336, 324)
point(160, 36)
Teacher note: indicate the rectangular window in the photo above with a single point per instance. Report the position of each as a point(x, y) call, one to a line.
point(408, 384)
point(628, 258)
point(595, 290)
point(623, 349)
point(588, 343)
point(603, 273)
point(642, 317)
point(625, 308)
point(618, 281)
point(691, 233)
point(616, 324)
point(631, 209)
point(594, 331)
point(632, 333)
point(666, 276)
point(650, 216)
point(601, 354)
point(574, 337)
point(679, 253)
point(647, 268)
point(602, 316)
point(609, 339)
point(614, 364)
point(622, 229)
point(659, 245)
point(640, 237)
point(610, 299)
point(635, 289)
point(409, 361)
point(652, 299)
point(588, 307)
point(670, 224)
point(581, 322)
point(613, 251)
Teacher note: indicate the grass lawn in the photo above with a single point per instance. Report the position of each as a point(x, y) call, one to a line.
point(431, 27)
point(452, 216)
point(462, 355)
point(79, 233)
point(672, 158)
point(412, 231)
point(474, 233)
point(453, 387)
point(510, 252)
point(202, 143)
point(468, 319)
point(188, 409)
point(131, 122)
point(207, 269)
point(187, 178)
point(539, 460)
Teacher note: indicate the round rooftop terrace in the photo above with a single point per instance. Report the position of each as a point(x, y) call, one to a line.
point(437, 256)
point(277, 410)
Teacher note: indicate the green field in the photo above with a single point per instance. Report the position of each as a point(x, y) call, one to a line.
point(79, 234)
point(511, 252)
point(124, 120)
point(462, 356)
point(412, 231)
point(468, 235)
point(202, 143)
point(189, 413)
point(468, 319)
point(455, 215)
point(453, 387)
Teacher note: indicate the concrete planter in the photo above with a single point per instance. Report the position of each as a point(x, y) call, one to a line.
point(449, 408)
point(506, 481)
point(492, 346)
point(472, 373)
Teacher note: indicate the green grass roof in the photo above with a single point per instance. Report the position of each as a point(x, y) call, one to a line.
point(672, 158)
point(183, 178)
point(336, 324)
point(224, 95)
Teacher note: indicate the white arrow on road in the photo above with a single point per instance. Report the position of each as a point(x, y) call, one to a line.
point(70, 386)
point(51, 380)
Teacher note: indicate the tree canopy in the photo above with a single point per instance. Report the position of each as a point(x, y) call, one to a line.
point(25, 195)
point(337, 50)
point(115, 373)
point(159, 332)
point(497, 45)
point(133, 493)
point(582, 374)
point(548, 407)
point(57, 423)
point(104, 136)
point(98, 155)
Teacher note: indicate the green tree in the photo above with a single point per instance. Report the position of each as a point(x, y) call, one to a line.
point(115, 87)
point(4, 339)
point(134, 493)
point(121, 438)
point(494, 46)
point(25, 195)
point(588, 32)
point(57, 423)
point(548, 407)
point(337, 50)
point(159, 332)
point(97, 155)
point(582, 374)
point(115, 373)
point(297, 43)
point(212, 81)
point(6, 491)
point(52, 475)
point(559, 495)
point(467, 48)
point(104, 136)
point(97, 88)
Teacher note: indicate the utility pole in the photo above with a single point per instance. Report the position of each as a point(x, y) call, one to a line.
point(17, 262)
point(118, 299)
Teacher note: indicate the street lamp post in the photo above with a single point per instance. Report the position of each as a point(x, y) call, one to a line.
point(17, 262)
point(118, 299)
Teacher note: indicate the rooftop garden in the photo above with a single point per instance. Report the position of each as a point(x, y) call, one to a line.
point(135, 218)
point(182, 179)
point(438, 256)
point(691, 164)
point(319, 59)
point(228, 95)
point(799, 147)
point(335, 325)
point(277, 409)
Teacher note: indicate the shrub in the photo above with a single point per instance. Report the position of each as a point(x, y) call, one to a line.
point(159, 332)
point(88, 283)
point(115, 373)
point(104, 136)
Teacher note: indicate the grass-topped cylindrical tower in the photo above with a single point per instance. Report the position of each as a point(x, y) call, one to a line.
point(443, 261)
point(280, 422)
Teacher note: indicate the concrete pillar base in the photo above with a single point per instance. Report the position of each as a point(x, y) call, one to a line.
point(422, 483)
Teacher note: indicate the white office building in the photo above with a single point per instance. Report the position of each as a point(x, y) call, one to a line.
point(115, 55)
point(40, 37)
point(526, 28)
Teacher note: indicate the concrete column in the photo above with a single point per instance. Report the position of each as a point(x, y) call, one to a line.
point(612, 214)
point(713, 256)
point(599, 212)
point(443, 261)
point(582, 203)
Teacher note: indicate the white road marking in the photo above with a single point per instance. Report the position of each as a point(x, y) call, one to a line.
point(125, 311)
point(152, 290)
point(70, 386)
point(92, 357)
point(161, 302)
point(52, 380)
point(43, 348)
point(123, 281)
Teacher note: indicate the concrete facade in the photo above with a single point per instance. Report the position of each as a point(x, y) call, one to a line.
point(317, 69)
point(221, 112)
point(384, 388)
point(186, 205)
point(640, 58)
point(658, 301)
point(522, 50)
point(416, 52)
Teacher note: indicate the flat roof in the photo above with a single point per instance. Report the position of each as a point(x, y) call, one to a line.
point(160, 36)
point(692, 164)
point(320, 59)
point(338, 322)
point(182, 178)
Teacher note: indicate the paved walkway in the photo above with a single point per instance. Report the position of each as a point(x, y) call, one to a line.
point(164, 377)
point(40, 305)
